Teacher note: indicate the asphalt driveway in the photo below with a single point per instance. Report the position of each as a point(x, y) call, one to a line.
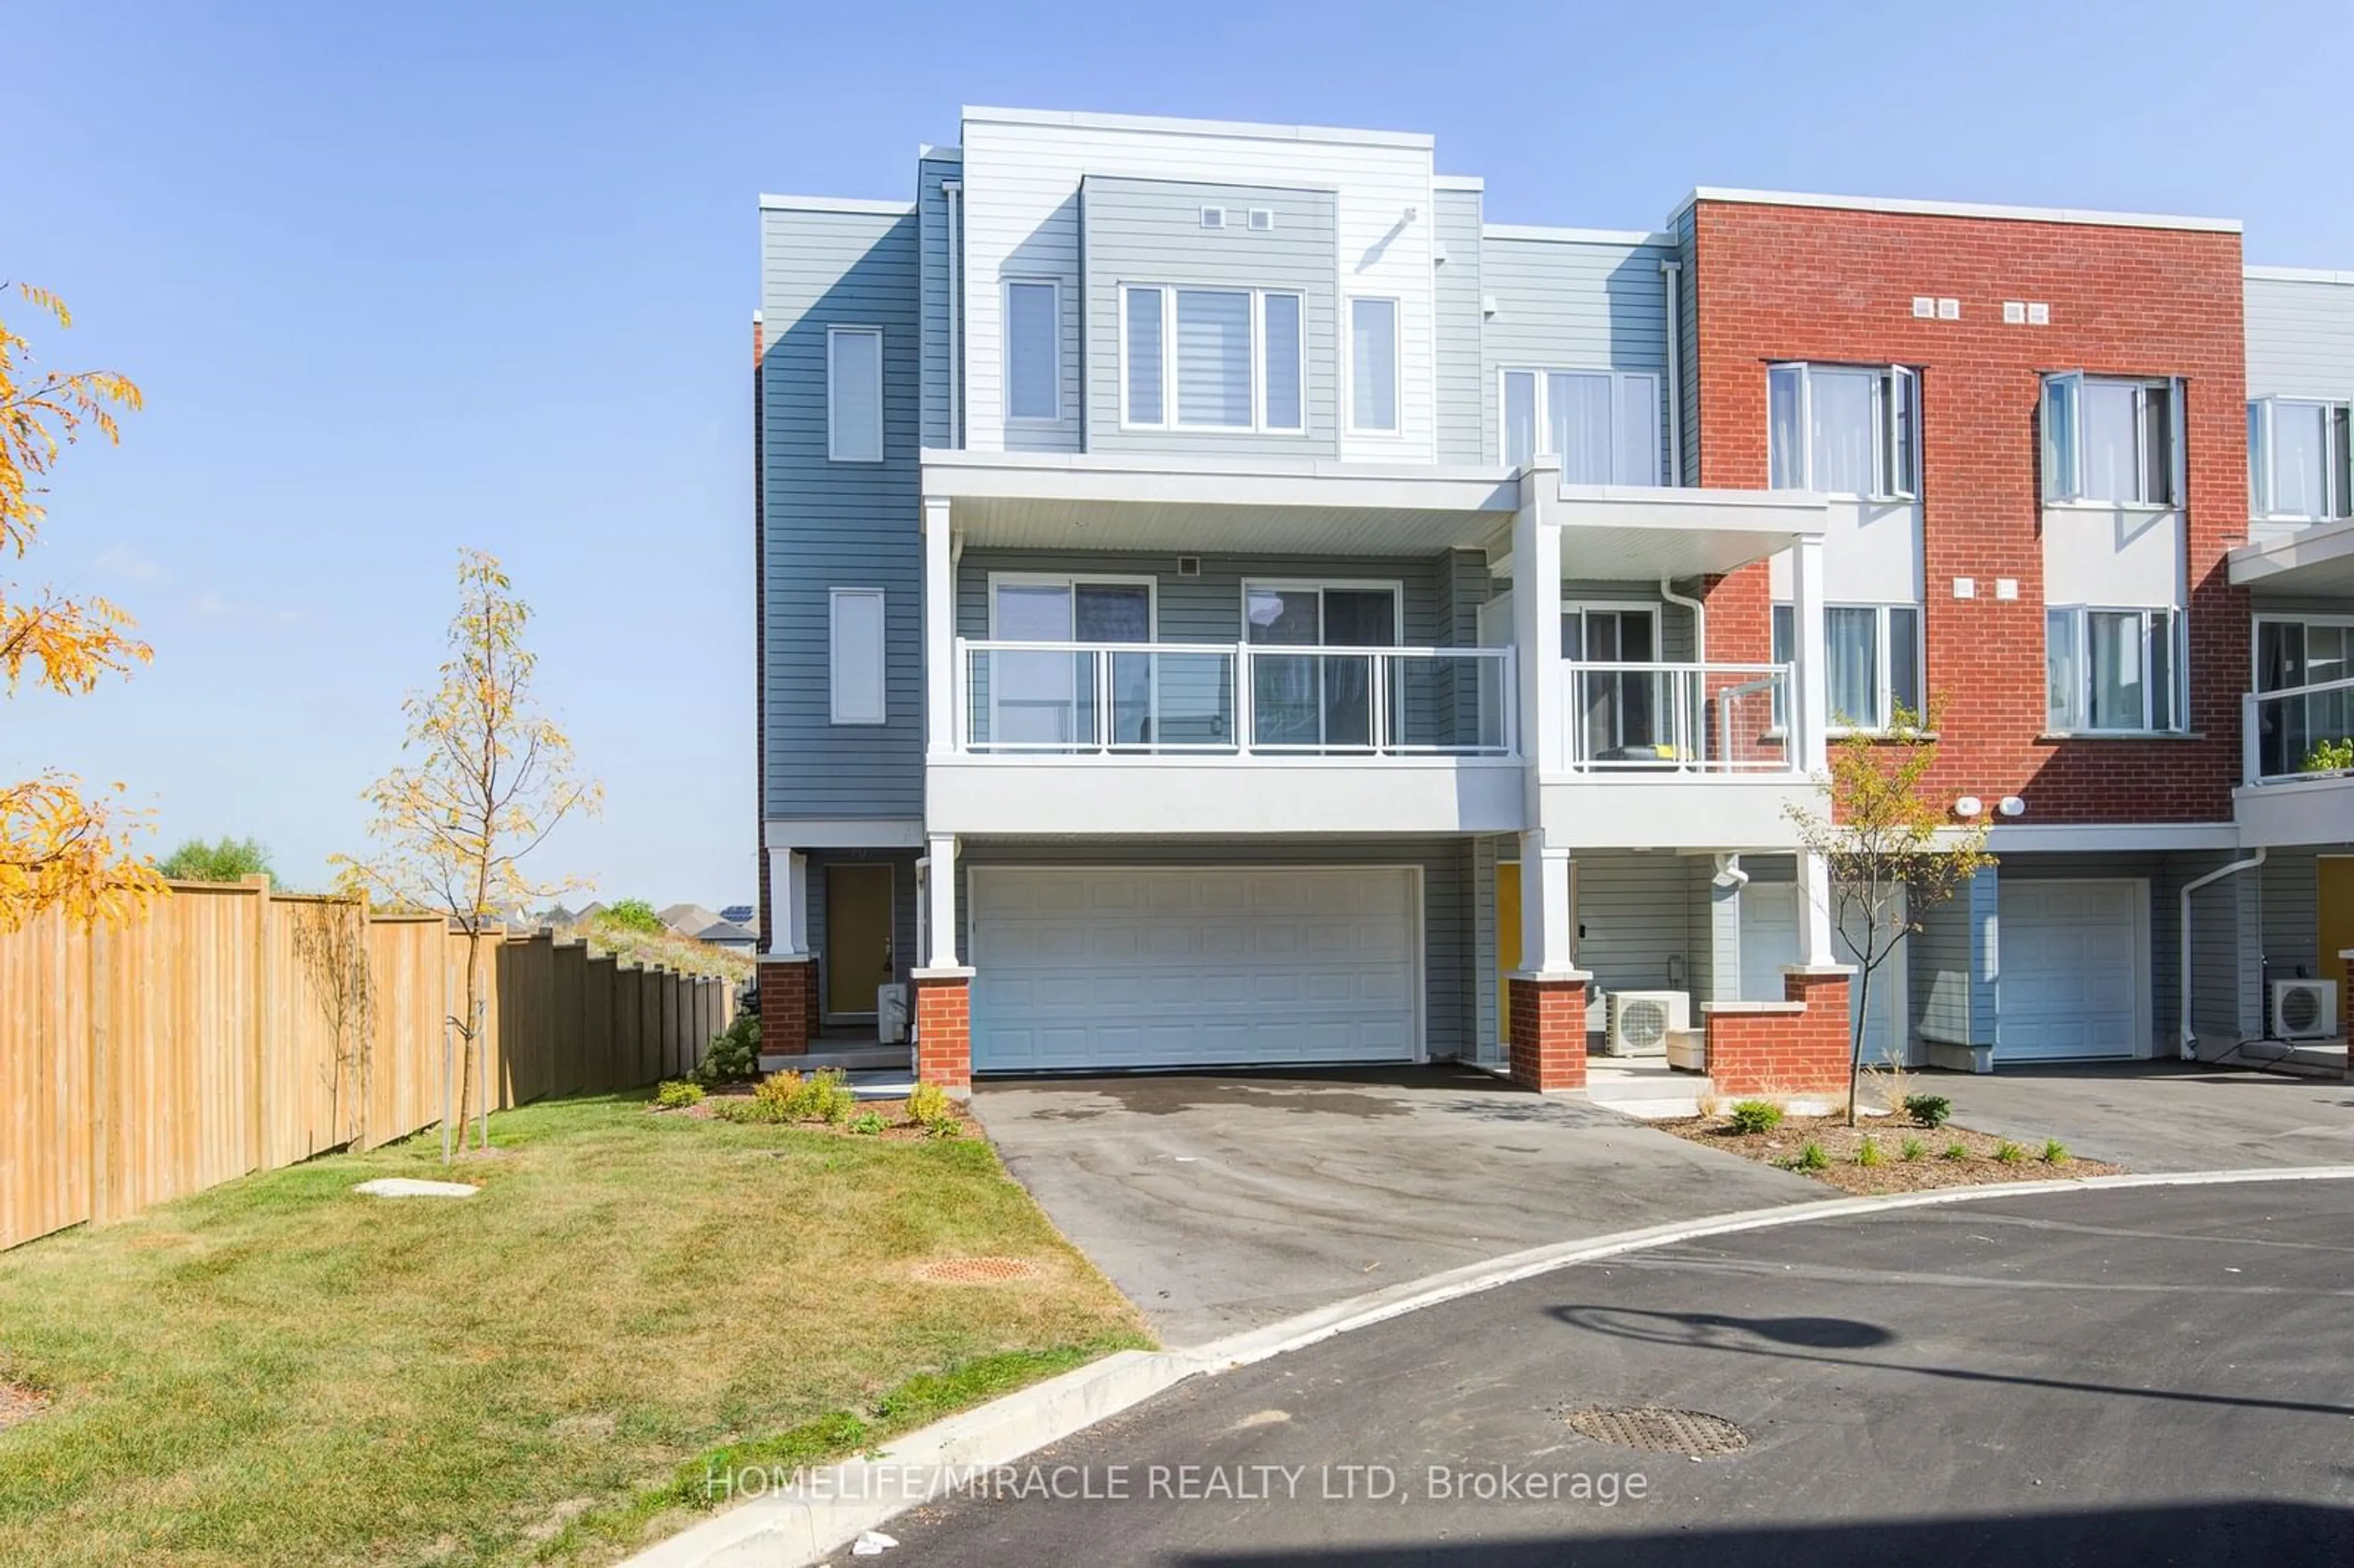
point(2161, 1116)
point(1221, 1202)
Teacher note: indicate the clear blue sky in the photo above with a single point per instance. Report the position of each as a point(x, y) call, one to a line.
point(402, 278)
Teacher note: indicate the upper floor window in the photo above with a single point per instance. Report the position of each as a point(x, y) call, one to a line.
point(1033, 350)
point(2297, 459)
point(2111, 440)
point(1844, 430)
point(1603, 426)
point(1871, 661)
point(1217, 359)
point(853, 394)
point(1374, 366)
point(2115, 671)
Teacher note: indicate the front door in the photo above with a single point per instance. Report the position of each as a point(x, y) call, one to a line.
point(2337, 874)
point(858, 955)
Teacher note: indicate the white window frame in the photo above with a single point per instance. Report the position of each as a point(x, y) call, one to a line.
point(835, 652)
point(2264, 468)
point(2063, 481)
point(1006, 286)
point(833, 452)
point(1884, 662)
point(1169, 420)
point(1397, 363)
point(1895, 393)
point(1543, 403)
point(2179, 698)
point(1395, 589)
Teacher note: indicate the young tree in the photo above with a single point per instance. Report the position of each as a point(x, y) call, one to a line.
point(1893, 849)
point(630, 915)
point(491, 780)
point(58, 848)
point(230, 860)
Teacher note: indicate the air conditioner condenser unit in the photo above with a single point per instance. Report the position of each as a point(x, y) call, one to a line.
point(1641, 1021)
point(2305, 1010)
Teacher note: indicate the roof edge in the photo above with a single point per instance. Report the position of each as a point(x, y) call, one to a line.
point(1081, 120)
point(2088, 217)
point(2297, 274)
point(834, 203)
point(1561, 235)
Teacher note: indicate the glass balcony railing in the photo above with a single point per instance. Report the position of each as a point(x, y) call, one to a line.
point(1655, 719)
point(2301, 732)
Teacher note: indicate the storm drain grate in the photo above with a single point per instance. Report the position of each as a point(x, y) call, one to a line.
point(977, 1270)
point(1658, 1430)
point(18, 1402)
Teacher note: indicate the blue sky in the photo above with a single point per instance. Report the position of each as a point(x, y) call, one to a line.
point(399, 279)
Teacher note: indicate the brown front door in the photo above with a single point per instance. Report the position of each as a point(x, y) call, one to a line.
point(857, 936)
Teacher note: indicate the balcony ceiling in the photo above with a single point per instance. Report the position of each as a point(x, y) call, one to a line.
point(2318, 559)
point(1641, 534)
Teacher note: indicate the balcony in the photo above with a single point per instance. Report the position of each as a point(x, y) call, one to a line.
point(1658, 754)
point(1228, 738)
point(2298, 766)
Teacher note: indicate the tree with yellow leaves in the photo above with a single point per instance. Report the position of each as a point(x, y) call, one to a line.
point(492, 779)
point(58, 848)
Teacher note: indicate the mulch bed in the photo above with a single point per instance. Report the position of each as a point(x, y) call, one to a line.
point(1894, 1173)
point(900, 1130)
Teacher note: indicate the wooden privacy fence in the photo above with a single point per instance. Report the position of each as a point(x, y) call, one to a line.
point(230, 1029)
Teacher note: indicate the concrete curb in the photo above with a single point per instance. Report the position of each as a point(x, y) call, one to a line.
point(804, 1525)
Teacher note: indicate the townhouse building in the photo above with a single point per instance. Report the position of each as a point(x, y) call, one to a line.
point(1224, 602)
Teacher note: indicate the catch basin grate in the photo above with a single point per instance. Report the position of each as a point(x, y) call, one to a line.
point(977, 1270)
point(1658, 1430)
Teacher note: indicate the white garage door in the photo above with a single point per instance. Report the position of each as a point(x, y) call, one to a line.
point(1135, 967)
point(2072, 979)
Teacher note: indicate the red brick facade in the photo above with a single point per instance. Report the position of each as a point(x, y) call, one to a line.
point(944, 1030)
point(1776, 283)
point(788, 1007)
point(1548, 1032)
point(1797, 1046)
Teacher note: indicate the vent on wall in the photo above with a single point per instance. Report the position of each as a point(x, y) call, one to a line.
point(1213, 217)
point(1261, 219)
point(1189, 566)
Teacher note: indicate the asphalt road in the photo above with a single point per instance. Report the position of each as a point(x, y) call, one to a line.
point(2134, 1376)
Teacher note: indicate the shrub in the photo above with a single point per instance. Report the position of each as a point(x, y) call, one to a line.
point(870, 1124)
point(230, 860)
point(2054, 1152)
point(1811, 1158)
point(678, 1092)
point(1756, 1116)
point(735, 1108)
point(1929, 1110)
point(1955, 1151)
point(949, 1128)
point(928, 1105)
point(629, 915)
point(733, 1053)
point(1869, 1154)
point(780, 1093)
point(2009, 1153)
point(1913, 1149)
point(2331, 756)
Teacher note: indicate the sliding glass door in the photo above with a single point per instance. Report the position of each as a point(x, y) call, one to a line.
point(1618, 711)
point(1321, 702)
point(1044, 699)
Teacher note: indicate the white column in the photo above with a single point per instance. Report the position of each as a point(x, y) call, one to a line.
point(788, 903)
point(940, 909)
point(1536, 623)
point(1815, 912)
point(942, 680)
point(1546, 927)
point(1813, 696)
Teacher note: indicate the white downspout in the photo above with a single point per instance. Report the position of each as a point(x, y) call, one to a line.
point(2190, 1047)
point(1671, 288)
point(1699, 614)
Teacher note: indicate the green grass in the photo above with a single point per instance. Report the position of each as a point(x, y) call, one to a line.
point(281, 1372)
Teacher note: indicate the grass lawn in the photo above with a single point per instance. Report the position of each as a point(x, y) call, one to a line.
point(280, 1372)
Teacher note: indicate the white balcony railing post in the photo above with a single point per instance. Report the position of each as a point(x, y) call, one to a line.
point(1246, 685)
point(2252, 747)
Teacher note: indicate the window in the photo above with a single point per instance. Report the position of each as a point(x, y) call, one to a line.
point(853, 394)
point(1043, 699)
point(1235, 364)
point(2292, 654)
point(2115, 671)
point(1034, 352)
point(2298, 458)
point(854, 627)
point(1374, 366)
point(1603, 426)
point(1316, 700)
point(1617, 710)
point(1844, 430)
point(2115, 441)
point(1872, 657)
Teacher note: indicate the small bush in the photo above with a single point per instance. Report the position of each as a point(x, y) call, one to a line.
point(1756, 1116)
point(2331, 756)
point(780, 1093)
point(1811, 1158)
point(1868, 1154)
point(630, 915)
point(951, 1127)
point(2054, 1152)
point(2009, 1153)
point(676, 1093)
point(1929, 1110)
point(827, 1096)
point(737, 1109)
point(870, 1124)
point(1955, 1151)
point(928, 1105)
point(1913, 1149)
point(733, 1055)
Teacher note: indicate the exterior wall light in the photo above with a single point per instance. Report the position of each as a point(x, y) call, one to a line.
point(1968, 806)
point(2012, 806)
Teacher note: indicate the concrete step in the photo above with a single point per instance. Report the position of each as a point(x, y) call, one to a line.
point(1651, 1094)
point(849, 1058)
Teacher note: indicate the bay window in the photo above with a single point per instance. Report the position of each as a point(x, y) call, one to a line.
point(2111, 440)
point(2297, 459)
point(2113, 672)
point(1212, 359)
point(1844, 430)
point(1602, 425)
point(1872, 662)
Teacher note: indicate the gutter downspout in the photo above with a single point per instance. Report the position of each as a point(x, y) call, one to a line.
point(1671, 288)
point(2189, 1040)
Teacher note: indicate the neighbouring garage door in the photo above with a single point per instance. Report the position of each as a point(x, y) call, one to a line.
point(2072, 972)
point(1136, 967)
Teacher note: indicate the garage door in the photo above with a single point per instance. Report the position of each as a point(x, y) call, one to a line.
point(1131, 967)
point(2072, 979)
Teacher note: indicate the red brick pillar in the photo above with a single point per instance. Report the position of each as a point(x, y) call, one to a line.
point(1548, 1030)
point(944, 1027)
point(1794, 1048)
point(787, 1005)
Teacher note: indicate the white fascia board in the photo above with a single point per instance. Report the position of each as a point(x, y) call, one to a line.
point(2311, 546)
point(2299, 275)
point(1458, 183)
point(1240, 127)
point(1556, 236)
point(1221, 481)
point(2086, 216)
point(834, 203)
point(2104, 838)
point(842, 832)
